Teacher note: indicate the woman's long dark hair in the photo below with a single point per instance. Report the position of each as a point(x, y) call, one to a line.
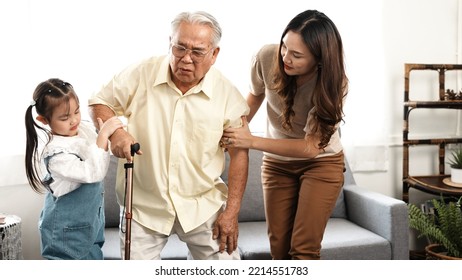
point(47, 96)
point(324, 42)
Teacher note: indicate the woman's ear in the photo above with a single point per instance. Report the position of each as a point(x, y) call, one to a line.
point(42, 119)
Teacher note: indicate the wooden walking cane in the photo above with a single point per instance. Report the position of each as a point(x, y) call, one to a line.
point(128, 199)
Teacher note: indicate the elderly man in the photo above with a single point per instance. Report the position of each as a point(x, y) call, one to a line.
point(177, 107)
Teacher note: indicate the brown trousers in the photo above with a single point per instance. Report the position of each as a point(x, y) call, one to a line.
point(299, 199)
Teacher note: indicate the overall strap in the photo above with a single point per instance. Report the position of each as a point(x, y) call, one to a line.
point(48, 180)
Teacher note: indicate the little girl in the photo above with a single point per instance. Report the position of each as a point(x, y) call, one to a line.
point(76, 160)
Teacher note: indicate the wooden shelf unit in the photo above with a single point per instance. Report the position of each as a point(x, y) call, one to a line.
point(432, 183)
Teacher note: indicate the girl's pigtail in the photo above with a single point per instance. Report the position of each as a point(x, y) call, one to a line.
point(31, 158)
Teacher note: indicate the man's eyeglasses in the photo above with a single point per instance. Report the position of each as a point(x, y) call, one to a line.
point(196, 55)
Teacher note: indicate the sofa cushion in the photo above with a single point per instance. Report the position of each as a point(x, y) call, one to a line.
point(111, 246)
point(252, 206)
point(345, 240)
point(175, 249)
point(253, 241)
point(111, 207)
point(340, 207)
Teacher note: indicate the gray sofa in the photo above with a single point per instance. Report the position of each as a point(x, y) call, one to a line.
point(365, 225)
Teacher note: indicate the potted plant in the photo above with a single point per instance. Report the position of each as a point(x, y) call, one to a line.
point(443, 227)
point(456, 166)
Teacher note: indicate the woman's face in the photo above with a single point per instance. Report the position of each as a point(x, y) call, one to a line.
point(298, 60)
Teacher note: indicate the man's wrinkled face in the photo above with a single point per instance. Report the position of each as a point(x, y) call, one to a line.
point(191, 55)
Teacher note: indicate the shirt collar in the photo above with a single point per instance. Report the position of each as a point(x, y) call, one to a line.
point(205, 86)
point(163, 75)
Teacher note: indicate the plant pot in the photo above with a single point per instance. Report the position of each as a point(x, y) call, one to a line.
point(456, 175)
point(438, 252)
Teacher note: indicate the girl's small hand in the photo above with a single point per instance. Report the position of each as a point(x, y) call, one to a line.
point(237, 137)
point(107, 128)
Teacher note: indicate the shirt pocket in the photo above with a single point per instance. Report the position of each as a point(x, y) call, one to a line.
point(205, 161)
point(204, 144)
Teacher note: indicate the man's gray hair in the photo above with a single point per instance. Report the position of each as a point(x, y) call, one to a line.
point(199, 17)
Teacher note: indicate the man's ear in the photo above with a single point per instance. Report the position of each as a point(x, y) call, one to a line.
point(215, 54)
point(42, 119)
point(216, 51)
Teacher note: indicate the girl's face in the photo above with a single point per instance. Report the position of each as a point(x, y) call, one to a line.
point(65, 120)
point(298, 60)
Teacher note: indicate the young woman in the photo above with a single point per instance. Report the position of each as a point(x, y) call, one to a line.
point(304, 82)
point(76, 160)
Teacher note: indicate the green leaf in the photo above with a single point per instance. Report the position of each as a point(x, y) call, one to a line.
point(444, 227)
point(456, 159)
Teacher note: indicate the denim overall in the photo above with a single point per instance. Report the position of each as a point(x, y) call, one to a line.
point(72, 225)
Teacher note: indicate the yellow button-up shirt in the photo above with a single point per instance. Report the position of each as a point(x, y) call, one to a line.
point(179, 171)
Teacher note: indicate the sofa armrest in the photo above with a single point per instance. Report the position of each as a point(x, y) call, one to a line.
point(381, 214)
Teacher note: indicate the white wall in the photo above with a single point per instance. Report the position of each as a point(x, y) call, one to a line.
point(86, 42)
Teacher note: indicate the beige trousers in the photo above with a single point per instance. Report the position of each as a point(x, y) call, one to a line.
point(147, 244)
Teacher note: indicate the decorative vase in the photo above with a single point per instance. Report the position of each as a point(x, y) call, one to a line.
point(456, 175)
point(437, 252)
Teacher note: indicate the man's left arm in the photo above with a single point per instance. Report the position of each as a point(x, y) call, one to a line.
point(226, 228)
